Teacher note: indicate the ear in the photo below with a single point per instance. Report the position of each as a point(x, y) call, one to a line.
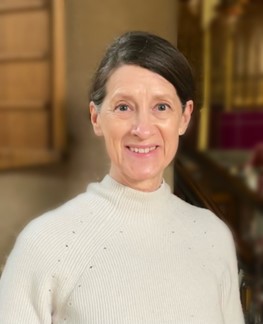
point(95, 119)
point(186, 117)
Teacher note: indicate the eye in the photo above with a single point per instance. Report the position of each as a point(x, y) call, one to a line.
point(122, 107)
point(162, 107)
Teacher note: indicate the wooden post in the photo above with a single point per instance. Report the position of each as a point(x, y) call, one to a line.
point(58, 96)
point(229, 69)
point(208, 14)
point(205, 110)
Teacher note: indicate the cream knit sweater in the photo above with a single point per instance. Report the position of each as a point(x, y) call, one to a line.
point(116, 255)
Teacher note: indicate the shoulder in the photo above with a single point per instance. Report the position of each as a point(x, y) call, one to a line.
point(60, 233)
point(58, 220)
point(53, 240)
point(48, 234)
point(44, 253)
point(210, 238)
point(202, 223)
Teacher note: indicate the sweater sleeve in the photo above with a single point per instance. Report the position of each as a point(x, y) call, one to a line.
point(25, 294)
point(231, 304)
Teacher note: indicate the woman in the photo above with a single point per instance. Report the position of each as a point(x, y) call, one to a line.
point(128, 250)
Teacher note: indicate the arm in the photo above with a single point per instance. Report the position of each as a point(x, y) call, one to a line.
point(231, 304)
point(24, 293)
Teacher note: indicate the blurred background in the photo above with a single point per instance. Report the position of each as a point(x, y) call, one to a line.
point(49, 50)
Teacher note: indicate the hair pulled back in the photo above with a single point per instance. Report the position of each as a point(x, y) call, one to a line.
point(148, 51)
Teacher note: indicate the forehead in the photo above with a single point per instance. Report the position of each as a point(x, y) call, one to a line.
point(133, 80)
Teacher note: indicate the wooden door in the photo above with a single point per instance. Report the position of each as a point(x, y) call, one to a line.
point(31, 82)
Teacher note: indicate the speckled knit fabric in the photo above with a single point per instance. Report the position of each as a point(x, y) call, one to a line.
point(116, 255)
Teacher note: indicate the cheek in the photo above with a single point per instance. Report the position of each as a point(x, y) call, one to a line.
point(113, 138)
point(170, 135)
point(170, 130)
point(108, 128)
point(173, 143)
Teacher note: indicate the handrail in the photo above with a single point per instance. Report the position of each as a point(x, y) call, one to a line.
point(240, 188)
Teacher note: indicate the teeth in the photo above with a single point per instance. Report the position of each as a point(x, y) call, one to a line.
point(142, 150)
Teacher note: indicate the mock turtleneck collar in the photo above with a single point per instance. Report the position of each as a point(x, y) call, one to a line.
point(132, 200)
point(111, 183)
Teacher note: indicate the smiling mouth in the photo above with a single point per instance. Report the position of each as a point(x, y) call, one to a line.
point(141, 150)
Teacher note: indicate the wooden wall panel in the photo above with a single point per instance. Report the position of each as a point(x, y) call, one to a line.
point(31, 81)
point(25, 81)
point(6, 5)
point(24, 35)
point(29, 131)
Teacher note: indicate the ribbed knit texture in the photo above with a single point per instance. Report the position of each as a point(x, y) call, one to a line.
point(116, 255)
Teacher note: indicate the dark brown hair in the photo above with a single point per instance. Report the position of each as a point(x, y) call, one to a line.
point(147, 51)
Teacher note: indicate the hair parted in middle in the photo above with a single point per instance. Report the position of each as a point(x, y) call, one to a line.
point(148, 51)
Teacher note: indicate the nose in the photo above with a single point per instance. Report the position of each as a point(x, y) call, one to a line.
point(143, 126)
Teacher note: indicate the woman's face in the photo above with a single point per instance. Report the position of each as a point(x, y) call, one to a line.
point(140, 119)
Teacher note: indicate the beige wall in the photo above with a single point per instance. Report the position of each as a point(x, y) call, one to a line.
point(90, 26)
